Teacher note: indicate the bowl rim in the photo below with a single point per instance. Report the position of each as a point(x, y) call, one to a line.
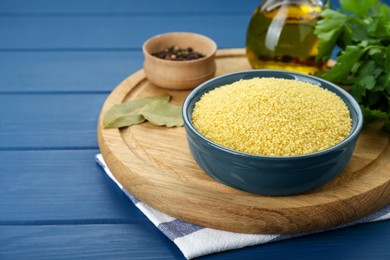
point(352, 135)
point(149, 55)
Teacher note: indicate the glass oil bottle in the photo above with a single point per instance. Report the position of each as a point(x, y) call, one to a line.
point(281, 35)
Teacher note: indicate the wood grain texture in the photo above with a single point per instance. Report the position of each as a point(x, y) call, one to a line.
point(54, 121)
point(71, 71)
point(123, 7)
point(73, 219)
point(178, 75)
point(59, 33)
point(156, 166)
point(144, 241)
point(343, 244)
point(61, 187)
point(105, 241)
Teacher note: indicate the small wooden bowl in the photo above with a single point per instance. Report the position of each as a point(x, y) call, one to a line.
point(179, 75)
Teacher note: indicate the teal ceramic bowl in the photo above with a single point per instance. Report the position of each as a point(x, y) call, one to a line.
point(270, 175)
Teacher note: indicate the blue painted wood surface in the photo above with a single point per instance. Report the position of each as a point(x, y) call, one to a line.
point(66, 71)
point(114, 32)
point(49, 121)
point(59, 60)
point(124, 7)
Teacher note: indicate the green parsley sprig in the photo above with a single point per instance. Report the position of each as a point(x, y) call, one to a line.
point(361, 29)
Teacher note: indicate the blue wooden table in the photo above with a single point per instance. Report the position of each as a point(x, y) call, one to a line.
point(59, 60)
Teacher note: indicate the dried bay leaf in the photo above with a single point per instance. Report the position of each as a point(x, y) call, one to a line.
point(128, 113)
point(162, 114)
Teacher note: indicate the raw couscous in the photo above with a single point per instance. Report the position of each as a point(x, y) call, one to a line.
point(273, 117)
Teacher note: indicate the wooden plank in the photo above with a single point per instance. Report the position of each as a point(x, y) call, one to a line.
point(144, 241)
point(66, 71)
point(85, 242)
point(49, 121)
point(117, 32)
point(124, 6)
point(63, 187)
point(367, 241)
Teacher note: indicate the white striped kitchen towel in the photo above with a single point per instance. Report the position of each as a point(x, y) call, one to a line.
point(194, 241)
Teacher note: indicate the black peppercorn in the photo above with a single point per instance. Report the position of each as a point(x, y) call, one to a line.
point(178, 54)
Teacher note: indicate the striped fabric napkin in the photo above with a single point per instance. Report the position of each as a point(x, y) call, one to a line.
point(194, 241)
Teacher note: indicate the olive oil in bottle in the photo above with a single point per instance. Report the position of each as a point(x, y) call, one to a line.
point(281, 36)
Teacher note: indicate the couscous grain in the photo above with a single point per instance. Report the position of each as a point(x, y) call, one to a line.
point(274, 117)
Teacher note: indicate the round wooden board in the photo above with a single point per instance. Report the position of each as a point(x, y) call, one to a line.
point(155, 165)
